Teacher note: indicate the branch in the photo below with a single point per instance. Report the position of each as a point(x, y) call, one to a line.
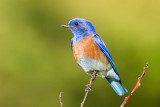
point(136, 86)
point(88, 87)
point(60, 99)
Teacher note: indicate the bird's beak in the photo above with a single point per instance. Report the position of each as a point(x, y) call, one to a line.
point(66, 26)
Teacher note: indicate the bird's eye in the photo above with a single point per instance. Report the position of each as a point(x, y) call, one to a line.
point(76, 24)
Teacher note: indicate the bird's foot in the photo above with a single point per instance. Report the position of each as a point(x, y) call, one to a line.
point(94, 75)
point(94, 78)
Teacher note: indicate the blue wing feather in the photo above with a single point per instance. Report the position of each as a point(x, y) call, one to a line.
point(71, 44)
point(104, 49)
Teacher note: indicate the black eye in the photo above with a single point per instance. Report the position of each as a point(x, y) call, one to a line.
point(76, 24)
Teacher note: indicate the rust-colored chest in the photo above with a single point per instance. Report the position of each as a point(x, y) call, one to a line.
point(87, 48)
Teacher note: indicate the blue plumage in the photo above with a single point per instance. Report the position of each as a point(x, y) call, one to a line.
point(117, 86)
point(83, 29)
point(104, 49)
point(71, 44)
point(92, 54)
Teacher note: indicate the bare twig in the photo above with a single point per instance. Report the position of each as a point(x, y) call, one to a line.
point(60, 99)
point(88, 87)
point(136, 86)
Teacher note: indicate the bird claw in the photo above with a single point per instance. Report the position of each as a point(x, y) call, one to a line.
point(94, 78)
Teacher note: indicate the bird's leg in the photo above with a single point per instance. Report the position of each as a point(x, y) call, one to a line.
point(94, 76)
point(88, 87)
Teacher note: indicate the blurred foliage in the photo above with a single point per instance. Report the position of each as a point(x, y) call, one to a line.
point(36, 61)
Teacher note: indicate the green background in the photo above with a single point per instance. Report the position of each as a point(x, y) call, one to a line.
point(36, 62)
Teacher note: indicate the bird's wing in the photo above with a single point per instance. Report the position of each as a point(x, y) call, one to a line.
point(104, 49)
point(71, 44)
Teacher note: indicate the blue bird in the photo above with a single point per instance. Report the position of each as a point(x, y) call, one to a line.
point(91, 53)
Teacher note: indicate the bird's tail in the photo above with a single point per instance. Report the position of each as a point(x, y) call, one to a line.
point(117, 86)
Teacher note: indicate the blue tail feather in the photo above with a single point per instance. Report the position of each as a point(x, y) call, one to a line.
point(117, 86)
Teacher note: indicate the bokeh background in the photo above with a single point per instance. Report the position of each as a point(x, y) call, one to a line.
point(36, 62)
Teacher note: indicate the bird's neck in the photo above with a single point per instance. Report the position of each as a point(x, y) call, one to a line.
point(78, 37)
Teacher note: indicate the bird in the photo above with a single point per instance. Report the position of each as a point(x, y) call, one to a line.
point(92, 54)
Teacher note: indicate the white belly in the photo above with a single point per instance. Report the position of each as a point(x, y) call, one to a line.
point(90, 65)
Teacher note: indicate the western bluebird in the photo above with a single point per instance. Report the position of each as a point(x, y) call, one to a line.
point(91, 53)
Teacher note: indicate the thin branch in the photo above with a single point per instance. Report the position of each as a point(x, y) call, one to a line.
point(136, 86)
point(88, 87)
point(60, 99)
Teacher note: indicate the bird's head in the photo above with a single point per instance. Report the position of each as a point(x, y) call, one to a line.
point(80, 28)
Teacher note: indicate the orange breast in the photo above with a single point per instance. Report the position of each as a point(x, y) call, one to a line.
point(87, 48)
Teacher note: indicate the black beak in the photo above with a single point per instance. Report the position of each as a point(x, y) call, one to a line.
point(66, 26)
